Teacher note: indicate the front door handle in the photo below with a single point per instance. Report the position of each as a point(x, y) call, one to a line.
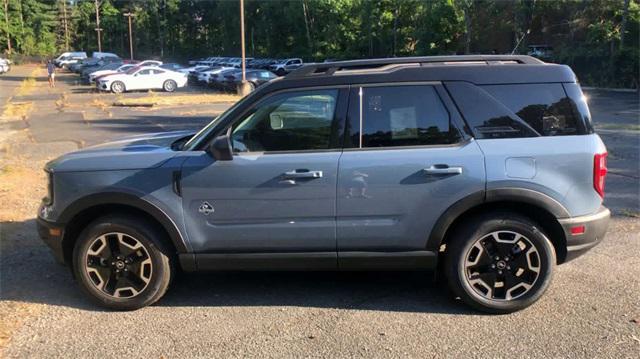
point(443, 170)
point(302, 173)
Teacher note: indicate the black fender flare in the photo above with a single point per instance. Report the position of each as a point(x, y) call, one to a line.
point(507, 194)
point(130, 200)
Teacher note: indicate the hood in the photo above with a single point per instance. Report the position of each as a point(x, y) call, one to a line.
point(115, 76)
point(131, 153)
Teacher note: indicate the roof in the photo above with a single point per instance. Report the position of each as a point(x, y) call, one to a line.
point(477, 69)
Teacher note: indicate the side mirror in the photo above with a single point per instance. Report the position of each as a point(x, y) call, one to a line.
point(220, 148)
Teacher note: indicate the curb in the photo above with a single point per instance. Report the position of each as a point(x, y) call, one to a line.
point(590, 88)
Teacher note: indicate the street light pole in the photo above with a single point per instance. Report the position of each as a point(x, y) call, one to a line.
point(129, 15)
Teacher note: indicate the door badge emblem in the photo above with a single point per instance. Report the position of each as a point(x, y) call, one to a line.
point(206, 209)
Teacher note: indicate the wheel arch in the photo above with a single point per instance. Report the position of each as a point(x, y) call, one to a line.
point(541, 208)
point(81, 212)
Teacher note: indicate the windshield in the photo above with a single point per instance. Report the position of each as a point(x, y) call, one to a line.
point(132, 70)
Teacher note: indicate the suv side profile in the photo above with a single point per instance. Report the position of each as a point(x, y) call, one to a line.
point(484, 168)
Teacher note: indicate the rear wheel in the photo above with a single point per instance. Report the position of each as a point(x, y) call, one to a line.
point(122, 263)
point(169, 86)
point(117, 87)
point(499, 262)
point(280, 72)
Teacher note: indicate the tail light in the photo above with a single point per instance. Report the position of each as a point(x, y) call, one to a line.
point(599, 172)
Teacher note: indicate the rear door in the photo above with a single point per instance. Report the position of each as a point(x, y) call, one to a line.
point(405, 162)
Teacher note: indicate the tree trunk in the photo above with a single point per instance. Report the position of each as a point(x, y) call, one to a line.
point(6, 22)
point(467, 28)
point(623, 26)
point(396, 15)
point(305, 10)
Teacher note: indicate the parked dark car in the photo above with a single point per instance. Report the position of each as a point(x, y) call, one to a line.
point(255, 78)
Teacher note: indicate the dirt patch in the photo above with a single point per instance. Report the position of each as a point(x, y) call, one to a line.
point(176, 100)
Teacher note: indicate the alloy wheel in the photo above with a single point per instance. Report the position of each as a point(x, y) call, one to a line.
point(502, 266)
point(118, 265)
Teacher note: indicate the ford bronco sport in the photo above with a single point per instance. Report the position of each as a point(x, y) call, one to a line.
point(483, 168)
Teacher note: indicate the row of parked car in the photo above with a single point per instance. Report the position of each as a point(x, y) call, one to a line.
point(5, 65)
point(111, 73)
point(108, 72)
point(280, 67)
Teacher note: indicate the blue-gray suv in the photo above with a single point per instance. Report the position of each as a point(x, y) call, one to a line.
point(485, 169)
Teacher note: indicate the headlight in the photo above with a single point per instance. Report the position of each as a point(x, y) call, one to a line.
point(48, 199)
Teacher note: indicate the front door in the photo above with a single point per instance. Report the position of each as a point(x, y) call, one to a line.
point(407, 163)
point(278, 194)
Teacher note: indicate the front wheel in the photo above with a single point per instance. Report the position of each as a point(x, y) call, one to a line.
point(117, 87)
point(499, 263)
point(122, 263)
point(169, 86)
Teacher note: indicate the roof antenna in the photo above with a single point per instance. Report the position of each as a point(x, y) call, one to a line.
point(519, 41)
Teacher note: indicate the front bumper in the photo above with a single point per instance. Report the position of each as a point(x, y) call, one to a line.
point(584, 232)
point(52, 233)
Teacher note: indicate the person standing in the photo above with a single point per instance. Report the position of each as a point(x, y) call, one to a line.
point(51, 70)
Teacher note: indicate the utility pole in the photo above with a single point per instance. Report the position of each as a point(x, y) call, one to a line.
point(66, 28)
point(98, 29)
point(244, 87)
point(6, 22)
point(244, 75)
point(129, 15)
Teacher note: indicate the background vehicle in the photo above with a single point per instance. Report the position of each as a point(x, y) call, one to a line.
point(108, 71)
point(172, 66)
point(143, 78)
point(5, 65)
point(68, 58)
point(285, 66)
point(484, 167)
point(255, 78)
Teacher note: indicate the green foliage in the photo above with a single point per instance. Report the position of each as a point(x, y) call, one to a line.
point(584, 34)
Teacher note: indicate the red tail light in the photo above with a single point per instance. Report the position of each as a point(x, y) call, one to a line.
point(599, 172)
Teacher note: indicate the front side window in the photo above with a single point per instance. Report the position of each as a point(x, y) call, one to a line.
point(395, 116)
point(293, 121)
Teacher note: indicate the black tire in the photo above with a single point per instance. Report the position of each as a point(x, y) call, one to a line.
point(169, 86)
point(118, 87)
point(281, 72)
point(469, 263)
point(155, 257)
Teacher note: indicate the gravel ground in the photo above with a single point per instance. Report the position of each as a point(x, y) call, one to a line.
point(592, 308)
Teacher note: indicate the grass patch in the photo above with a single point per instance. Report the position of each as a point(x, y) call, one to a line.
point(176, 100)
point(28, 84)
point(619, 126)
point(17, 109)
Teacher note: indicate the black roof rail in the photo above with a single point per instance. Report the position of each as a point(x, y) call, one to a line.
point(329, 68)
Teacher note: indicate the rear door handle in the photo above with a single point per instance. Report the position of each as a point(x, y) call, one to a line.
point(302, 173)
point(443, 170)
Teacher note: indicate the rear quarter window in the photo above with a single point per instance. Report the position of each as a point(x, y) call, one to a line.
point(544, 107)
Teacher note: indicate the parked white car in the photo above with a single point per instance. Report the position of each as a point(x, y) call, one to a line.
point(143, 78)
point(285, 66)
point(5, 65)
point(96, 74)
point(67, 58)
point(203, 76)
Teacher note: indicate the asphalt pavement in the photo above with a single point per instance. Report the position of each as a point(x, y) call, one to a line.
point(592, 308)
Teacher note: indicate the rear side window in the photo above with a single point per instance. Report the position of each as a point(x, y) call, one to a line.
point(487, 117)
point(544, 107)
point(396, 116)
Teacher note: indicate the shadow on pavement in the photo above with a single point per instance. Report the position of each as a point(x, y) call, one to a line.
point(31, 275)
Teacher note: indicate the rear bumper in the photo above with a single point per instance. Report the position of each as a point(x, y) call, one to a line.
point(51, 233)
point(595, 227)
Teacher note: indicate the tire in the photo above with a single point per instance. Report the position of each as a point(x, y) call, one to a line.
point(281, 72)
point(252, 86)
point(169, 86)
point(135, 276)
point(508, 249)
point(117, 87)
